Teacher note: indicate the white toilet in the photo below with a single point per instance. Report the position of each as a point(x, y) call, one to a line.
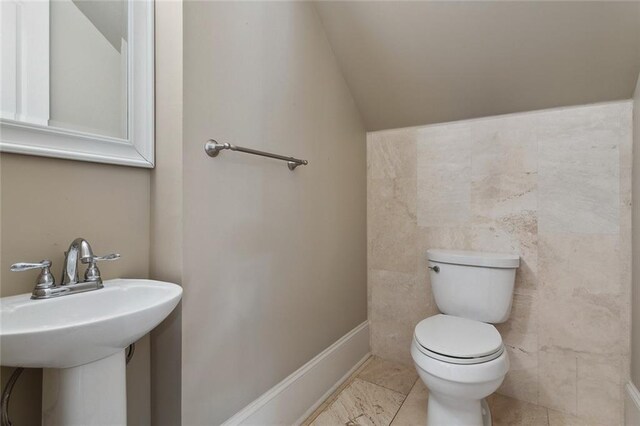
point(459, 355)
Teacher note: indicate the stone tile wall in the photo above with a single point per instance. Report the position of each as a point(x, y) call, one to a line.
point(553, 186)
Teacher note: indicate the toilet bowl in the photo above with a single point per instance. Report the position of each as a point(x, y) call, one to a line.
point(459, 354)
point(461, 362)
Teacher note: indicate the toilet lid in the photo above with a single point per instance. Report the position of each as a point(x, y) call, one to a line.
point(458, 337)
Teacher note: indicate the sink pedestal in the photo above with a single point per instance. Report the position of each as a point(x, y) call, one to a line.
point(66, 335)
point(87, 395)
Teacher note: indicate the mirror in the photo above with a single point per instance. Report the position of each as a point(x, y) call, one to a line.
point(87, 66)
point(74, 74)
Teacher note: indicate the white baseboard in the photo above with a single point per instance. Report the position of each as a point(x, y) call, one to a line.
point(331, 390)
point(631, 405)
point(296, 397)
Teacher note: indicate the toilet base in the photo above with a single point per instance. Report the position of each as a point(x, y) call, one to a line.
point(446, 411)
point(486, 414)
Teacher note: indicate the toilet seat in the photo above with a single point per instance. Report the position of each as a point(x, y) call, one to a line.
point(458, 340)
point(462, 361)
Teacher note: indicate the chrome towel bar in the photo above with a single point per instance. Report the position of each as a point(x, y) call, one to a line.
point(213, 148)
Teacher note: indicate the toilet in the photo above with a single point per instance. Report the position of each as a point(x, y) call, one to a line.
point(459, 354)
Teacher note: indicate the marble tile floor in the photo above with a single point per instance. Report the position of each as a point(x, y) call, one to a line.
point(383, 393)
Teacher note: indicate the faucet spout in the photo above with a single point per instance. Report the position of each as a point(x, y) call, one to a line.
point(78, 250)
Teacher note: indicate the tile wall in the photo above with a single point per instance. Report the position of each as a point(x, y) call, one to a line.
point(553, 186)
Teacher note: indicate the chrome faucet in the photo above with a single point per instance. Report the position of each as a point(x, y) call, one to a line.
point(79, 251)
point(78, 248)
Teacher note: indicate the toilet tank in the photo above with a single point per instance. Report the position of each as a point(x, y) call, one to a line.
point(474, 285)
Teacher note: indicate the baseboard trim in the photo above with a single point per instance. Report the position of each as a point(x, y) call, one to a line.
point(297, 396)
point(333, 388)
point(631, 405)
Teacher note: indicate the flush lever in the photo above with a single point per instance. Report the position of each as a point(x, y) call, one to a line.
point(435, 269)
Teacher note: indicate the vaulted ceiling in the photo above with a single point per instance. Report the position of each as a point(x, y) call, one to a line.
point(415, 63)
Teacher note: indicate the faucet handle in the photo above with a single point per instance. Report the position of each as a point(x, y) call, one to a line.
point(45, 279)
point(25, 266)
point(94, 259)
point(93, 273)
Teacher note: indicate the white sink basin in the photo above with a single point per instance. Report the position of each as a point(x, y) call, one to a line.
point(73, 330)
point(79, 340)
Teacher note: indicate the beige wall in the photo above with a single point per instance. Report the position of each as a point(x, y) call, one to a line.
point(274, 260)
point(45, 204)
point(553, 186)
point(635, 329)
point(167, 211)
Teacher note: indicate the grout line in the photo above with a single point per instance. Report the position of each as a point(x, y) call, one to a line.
point(378, 384)
point(403, 401)
point(384, 387)
point(327, 403)
point(548, 421)
point(373, 384)
point(577, 378)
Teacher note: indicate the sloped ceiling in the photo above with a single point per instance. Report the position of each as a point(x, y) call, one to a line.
point(415, 63)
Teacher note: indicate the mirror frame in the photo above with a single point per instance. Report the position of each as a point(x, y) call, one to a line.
point(137, 149)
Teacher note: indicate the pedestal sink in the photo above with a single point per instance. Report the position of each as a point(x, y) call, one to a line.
point(80, 340)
